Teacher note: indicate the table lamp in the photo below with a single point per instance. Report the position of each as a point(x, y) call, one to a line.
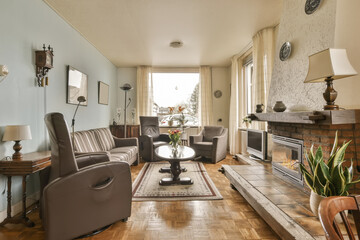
point(126, 87)
point(329, 65)
point(17, 133)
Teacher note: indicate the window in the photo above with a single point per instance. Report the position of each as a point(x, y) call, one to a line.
point(249, 66)
point(175, 90)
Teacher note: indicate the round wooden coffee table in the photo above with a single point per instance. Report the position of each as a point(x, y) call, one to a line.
point(183, 154)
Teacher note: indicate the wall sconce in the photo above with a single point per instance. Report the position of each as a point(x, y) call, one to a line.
point(44, 62)
point(3, 72)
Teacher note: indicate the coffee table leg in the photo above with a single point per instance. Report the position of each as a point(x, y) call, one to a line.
point(175, 171)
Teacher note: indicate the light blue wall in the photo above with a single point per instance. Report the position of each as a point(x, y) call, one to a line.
point(24, 27)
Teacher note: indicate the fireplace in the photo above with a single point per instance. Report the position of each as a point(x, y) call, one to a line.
point(287, 154)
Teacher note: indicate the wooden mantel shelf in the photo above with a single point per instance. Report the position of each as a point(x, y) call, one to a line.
point(327, 117)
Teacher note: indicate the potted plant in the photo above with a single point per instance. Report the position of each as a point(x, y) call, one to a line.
point(247, 121)
point(327, 178)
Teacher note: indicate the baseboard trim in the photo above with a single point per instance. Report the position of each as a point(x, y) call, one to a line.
point(17, 207)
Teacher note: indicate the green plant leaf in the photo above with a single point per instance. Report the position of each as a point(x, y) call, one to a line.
point(347, 175)
point(333, 150)
point(318, 155)
point(327, 190)
point(325, 170)
point(333, 189)
point(319, 174)
point(340, 154)
point(319, 188)
point(309, 180)
point(338, 179)
point(310, 161)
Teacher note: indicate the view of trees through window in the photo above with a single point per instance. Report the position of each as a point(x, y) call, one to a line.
point(174, 90)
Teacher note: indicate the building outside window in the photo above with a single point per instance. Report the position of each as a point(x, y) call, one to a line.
point(174, 90)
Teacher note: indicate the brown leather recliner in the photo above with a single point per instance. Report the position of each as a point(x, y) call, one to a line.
point(76, 200)
point(150, 138)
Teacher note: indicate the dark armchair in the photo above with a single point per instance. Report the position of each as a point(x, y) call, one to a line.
point(211, 143)
point(83, 196)
point(150, 138)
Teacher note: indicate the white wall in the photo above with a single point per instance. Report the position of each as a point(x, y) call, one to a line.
point(347, 35)
point(25, 26)
point(221, 106)
point(308, 34)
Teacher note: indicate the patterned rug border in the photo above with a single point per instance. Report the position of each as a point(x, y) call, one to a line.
point(202, 170)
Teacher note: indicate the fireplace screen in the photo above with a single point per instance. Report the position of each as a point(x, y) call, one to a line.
point(287, 154)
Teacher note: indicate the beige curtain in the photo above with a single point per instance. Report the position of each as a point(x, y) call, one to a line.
point(263, 59)
point(237, 100)
point(144, 96)
point(206, 109)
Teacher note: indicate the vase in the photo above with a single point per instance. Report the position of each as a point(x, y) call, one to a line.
point(170, 123)
point(315, 200)
point(259, 108)
point(279, 106)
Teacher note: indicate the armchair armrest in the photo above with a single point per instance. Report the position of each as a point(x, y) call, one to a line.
point(164, 137)
point(146, 144)
point(100, 190)
point(122, 142)
point(196, 138)
point(220, 146)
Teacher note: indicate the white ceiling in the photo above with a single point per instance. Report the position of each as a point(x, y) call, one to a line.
point(138, 32)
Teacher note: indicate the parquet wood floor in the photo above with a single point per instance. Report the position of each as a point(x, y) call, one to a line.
point(230, 218)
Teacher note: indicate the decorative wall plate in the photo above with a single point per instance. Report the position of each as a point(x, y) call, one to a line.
point(285, 51)
point(217, 93)
point(311, 6)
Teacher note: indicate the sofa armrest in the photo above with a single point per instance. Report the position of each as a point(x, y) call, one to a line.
point(123, 142)
point(85, 160)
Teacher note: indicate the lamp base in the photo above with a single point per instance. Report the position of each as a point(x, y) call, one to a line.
point(331, 107)
point(330, 95)
point(17, 155)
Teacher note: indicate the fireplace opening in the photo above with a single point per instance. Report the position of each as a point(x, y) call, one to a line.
point(287, 154)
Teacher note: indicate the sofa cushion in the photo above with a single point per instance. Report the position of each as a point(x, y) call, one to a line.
point(120, 157)
point(159, 143)
point(105, 138)
point(131, 151)
point(85, 141)
point(212, 131)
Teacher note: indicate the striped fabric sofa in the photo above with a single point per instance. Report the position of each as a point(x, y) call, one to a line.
point(101, 140)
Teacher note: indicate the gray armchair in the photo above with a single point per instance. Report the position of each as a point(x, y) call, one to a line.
point(150, 138)
point(84, 195)
point(211, 143)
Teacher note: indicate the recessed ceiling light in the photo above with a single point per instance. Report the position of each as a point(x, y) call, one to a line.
point(176, 44)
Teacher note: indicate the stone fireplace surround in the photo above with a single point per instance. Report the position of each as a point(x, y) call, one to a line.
point(319, 128)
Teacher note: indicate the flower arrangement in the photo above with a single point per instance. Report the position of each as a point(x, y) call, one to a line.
point(181, 119)
point(175, 137)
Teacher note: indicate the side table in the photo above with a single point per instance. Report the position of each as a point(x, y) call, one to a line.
point(31, 163)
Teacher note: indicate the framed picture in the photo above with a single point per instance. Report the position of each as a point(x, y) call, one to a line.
point(77, 85)
point(103, 93)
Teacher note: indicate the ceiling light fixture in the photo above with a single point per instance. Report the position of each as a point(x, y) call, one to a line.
point(176, 44)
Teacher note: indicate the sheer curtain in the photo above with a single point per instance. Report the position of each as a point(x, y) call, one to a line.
point(263, 59)
point(206, 109)
point(144, 96)
point(237, 99)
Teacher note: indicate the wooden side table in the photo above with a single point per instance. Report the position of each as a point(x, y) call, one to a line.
point(31, 163)
point(131, 131)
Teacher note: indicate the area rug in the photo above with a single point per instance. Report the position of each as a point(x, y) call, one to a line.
point(146, 186)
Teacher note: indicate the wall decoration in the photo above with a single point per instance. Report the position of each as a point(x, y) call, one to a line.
point(43, 62)
point(103, 93)
point(311, 6)
point(285, 51)
point(218, 93)
point(76, 86)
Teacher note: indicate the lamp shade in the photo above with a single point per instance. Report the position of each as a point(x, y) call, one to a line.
point(126, 87)
point(332, 63)
point(17, 133)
